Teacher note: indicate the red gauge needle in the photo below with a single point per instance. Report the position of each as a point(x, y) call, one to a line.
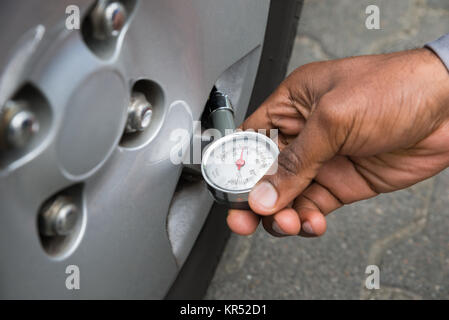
point(240, 162)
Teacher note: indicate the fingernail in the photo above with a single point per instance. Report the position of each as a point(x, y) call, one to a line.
point(307, 227)
point(265, 195)
point(277, 229)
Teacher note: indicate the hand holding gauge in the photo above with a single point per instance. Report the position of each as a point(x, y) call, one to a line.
point(233, 164)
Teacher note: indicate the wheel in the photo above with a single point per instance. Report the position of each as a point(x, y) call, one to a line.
point(95, 200)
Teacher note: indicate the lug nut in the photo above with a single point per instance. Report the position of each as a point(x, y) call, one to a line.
point(59, 218)
point(19, 125)
point(140, 113)
point(108, 19)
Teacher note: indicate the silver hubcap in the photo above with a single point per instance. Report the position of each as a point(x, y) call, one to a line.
point(132, 234)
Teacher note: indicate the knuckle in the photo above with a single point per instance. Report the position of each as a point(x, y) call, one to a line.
point(330, 113)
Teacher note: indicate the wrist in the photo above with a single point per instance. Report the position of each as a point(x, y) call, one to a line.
point(438, 77)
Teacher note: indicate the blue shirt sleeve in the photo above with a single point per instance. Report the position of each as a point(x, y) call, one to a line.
point(441, 48)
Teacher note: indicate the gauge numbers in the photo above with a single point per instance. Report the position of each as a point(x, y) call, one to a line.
point(238, 161)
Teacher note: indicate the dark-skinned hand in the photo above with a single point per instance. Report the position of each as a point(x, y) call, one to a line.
point(349, 129)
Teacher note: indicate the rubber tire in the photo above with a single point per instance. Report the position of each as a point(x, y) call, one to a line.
point(197, 272)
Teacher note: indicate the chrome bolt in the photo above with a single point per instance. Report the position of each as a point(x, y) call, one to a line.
point(108, 19)
point(140, 113)
point(58, 218)
point(19, 124)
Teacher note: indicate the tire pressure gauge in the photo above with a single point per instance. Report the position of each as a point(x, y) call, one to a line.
point(233, 164)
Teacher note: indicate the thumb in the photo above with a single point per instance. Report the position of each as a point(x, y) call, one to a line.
point(299, 162)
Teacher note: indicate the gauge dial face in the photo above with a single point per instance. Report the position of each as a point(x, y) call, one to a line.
point(238, 161)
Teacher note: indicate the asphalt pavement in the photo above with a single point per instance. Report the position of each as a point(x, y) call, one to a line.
point(406, 233)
